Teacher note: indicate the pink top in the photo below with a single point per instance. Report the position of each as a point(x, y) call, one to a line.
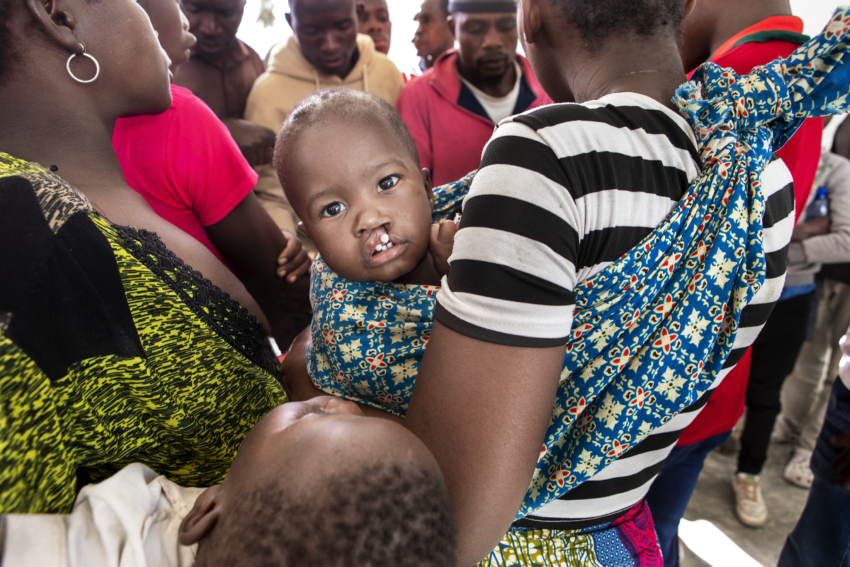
point(185, 164)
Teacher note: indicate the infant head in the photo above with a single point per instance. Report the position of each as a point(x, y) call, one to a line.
point(318, 484)
point(351, 172)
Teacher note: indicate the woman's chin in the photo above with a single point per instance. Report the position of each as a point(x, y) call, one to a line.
point(152, 105)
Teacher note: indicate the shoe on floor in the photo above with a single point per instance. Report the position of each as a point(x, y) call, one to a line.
point(749, 502)
point(797, 471)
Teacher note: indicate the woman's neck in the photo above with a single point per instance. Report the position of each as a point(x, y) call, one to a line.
point(651, 67)
point(38, 128)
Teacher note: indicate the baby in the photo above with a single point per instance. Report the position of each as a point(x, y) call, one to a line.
point(286, 501)
point(351, 172)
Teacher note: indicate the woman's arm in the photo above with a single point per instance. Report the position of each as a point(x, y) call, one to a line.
point(482, 410)
point(250, 242)
point(487, 383)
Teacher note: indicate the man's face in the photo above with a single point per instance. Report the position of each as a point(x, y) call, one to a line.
point(375, 21)
point(327, 32)
point(487, 43)
point(214, 23)
point(433, 37)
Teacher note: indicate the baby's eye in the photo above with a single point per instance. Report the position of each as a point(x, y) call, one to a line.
point(387, 182)
point(333, 209)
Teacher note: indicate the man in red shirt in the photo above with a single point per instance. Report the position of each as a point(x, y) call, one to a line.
point(452, 109)
point(740, 35)
point(433, 36)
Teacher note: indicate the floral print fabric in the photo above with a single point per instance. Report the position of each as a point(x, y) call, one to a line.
point(369, 337)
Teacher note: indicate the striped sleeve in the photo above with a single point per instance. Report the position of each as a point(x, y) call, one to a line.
point(563, 191)
point(513, 264)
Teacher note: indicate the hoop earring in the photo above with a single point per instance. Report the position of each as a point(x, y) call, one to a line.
point(84, 54)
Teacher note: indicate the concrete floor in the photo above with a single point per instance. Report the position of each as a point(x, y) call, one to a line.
point(713, 501)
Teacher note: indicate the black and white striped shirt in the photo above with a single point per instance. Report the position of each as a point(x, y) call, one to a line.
point(563, 191)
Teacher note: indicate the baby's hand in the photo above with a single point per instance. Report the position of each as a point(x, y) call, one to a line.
point(440, 247)
point(293, 260)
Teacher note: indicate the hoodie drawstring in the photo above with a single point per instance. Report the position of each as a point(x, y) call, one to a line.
point(316, 77)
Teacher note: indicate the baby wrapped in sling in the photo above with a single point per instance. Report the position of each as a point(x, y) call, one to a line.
point(368, 337)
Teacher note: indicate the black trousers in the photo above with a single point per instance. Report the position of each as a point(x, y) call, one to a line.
point(774, 353)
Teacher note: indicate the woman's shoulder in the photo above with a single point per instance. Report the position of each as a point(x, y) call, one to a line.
point(22, 181)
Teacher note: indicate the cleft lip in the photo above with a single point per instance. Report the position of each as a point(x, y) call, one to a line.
point(374, 258)
point(373, 241)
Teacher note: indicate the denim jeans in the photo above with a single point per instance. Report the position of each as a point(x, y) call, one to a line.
point(822, 535)
point(672, 490)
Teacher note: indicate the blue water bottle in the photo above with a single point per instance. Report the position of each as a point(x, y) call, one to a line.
point(819, 207)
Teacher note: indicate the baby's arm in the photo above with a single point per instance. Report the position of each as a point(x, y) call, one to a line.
point(441, 244)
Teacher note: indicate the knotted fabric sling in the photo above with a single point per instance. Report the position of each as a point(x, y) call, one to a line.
point(650, 332)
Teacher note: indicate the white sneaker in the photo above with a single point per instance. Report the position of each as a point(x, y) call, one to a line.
point(797, 470)
point(749, 502)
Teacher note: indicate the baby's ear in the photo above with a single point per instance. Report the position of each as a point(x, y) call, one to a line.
point(202, 518)
point(429, 186)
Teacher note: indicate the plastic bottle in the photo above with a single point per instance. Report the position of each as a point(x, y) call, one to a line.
point(819, 207)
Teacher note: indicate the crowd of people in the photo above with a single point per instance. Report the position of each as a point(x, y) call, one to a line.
point(519, 298)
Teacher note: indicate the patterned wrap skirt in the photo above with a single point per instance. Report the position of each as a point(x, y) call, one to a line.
point(629, 541)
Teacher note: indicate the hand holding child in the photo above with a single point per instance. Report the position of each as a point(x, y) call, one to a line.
point(293, 262)
point(441, 244)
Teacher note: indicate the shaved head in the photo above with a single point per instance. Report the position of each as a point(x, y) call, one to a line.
point(344, 105)
point(597, 20)
point(292, 3)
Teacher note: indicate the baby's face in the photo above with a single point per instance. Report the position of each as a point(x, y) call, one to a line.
point(301, 444)
point(362, 200)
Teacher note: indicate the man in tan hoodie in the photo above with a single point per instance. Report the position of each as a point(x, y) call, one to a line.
point(325, 52)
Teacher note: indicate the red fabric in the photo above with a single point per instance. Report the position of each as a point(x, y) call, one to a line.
point(801, 154)
point(771, 24)
point(450, 138)
point(185, 163)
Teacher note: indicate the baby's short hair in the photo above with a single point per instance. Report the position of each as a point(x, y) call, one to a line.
point(338, 104)
point(383, 515)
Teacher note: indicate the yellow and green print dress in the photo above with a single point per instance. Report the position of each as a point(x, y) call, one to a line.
point(112, 351)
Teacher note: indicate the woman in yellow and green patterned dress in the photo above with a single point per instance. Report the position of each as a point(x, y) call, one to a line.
point(113, 347)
